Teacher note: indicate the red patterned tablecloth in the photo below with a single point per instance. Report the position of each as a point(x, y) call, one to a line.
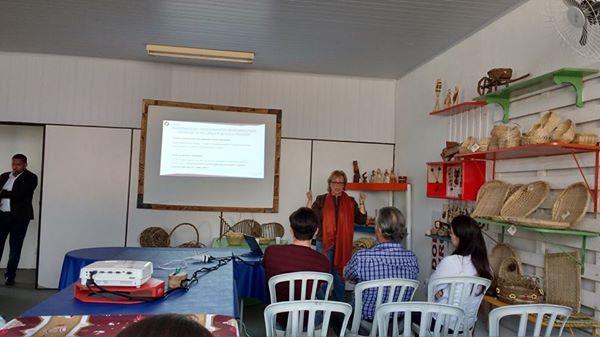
point(101, 325)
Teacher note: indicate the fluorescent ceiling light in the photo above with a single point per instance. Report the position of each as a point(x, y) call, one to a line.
point(200, 54)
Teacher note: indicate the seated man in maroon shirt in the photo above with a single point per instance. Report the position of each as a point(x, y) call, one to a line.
point(297, 256)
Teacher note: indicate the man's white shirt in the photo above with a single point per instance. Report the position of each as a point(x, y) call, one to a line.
point(5, 202)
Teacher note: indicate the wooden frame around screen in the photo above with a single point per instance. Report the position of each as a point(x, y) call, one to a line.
point(142, 163)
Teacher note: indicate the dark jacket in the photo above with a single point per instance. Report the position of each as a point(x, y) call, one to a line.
point(21, 195)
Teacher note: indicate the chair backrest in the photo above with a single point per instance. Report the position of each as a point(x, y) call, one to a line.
point(303, 277)
point(548, 311)
point(444, 315)
point(248, 227)
point(297, 311)
point(462, 291)
point(272, 230)
point(388, 291)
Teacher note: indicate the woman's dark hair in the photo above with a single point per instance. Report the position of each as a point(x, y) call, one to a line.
point(470, 242)
point(167, 325)
point(304, 223)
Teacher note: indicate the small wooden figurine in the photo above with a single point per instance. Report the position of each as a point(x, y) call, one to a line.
point(448, 99)
point(393, 178)
point(372, 177)
point(438, 92)
point(386, 177)
point(378, 176)
point(365, 177)
point(456, 95)
point(356, 178)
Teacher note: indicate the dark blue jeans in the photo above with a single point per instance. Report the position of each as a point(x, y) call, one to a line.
point(339, 287)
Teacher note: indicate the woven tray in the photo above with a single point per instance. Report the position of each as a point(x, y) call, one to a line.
point(525, 200)
point(499, 253)
point(537, 223)
point(572, 204)
point(562, 279)
point(490, 198)
point(248, 227)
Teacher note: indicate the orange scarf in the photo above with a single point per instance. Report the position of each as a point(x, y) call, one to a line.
point(341, 235)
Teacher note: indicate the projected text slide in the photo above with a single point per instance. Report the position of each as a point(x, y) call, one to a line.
point(212, 149)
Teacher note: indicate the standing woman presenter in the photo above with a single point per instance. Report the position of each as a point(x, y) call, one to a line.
point(337, 212)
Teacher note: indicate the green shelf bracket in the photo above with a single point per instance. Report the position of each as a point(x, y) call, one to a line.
point(504, 103)
point(576, 82)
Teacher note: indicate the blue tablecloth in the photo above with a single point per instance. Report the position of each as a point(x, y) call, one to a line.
point(215, 293)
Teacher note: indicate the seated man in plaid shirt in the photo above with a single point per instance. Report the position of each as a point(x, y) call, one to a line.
point(388, 259)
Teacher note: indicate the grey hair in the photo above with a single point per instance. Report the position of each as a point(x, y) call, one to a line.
point(391, 223)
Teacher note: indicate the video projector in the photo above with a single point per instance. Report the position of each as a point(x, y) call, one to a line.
point(117, 273)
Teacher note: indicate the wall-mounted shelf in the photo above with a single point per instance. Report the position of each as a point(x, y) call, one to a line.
point(458, 108)
point(385, 187)
point(438, 238)
point(571, 76)
point(583, 234)
point(531, 151)
point(544, 150)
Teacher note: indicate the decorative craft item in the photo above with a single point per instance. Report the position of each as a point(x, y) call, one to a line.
point(525, 200)
point(496, 77)
point(565, 132)
point(569, 208)
point(456, 95)
point(190, 244)
point(438, 92)
point(499, 253)
point(402, 179)
point(469, 145)
point(386, 177)
point(454, 181)
point(451, 149)
point(234, 238)
point(448, 99)
point(586, 139)
point(393, 178)
point(378, 176)
point(490, 198)
point(363, 243)
point(365, 178)
point(515, 288)
point(154, 237)
point(356, 177)
point(562, 279)
point(541, 132)
point(484, 144)
point(510, 138)
point(372, 177)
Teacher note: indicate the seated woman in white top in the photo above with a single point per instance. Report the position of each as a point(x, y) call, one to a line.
point(469, 259)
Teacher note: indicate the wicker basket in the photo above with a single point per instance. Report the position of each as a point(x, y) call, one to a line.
point(484, 144)
point(525, 200)
point(465, 147)
point(513, 189)
point(493, 146)
point(234, 238)
point(586, 138)
point(499, 130)
point(490, 198)
point(510, 138)
point(565, 132)
point(513, 287)
point(362, 243)
point(265, 241)
point(154, 237)
point(562, 279)
point(272, 230)
point(248, 227)
point(537, 223)
point(500, 253)
point(500, 73)
point(190, 244)
point(548, 122)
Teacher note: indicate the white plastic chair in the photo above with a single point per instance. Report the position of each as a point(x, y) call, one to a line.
point(296, 313)
point(462, 291)
point(388, 291)
point(445, 314)
point(524, 310)
point(304, 277)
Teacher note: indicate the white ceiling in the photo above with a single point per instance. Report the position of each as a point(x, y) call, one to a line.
point(375, 38)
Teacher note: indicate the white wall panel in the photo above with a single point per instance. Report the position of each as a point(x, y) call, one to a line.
point(85, 193)
point(27, 140)
point(102, 92)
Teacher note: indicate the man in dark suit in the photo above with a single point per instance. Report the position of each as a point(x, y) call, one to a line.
point(16, 210)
